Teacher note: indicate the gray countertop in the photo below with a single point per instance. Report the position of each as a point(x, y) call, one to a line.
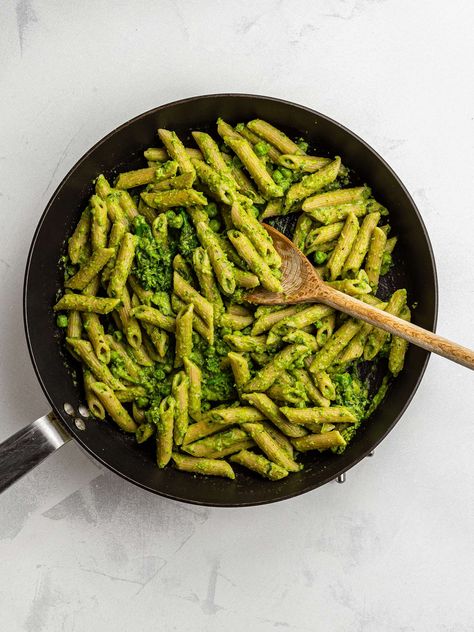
point(392, 549)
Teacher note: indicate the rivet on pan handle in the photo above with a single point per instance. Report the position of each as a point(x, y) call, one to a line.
point(24, 450)
point(341, 478)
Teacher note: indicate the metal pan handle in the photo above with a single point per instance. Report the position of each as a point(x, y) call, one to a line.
point(24, 450)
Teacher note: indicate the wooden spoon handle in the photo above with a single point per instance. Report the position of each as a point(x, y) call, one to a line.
point(394, 325)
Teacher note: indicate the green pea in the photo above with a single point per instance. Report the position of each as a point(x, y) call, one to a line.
point(61, 321)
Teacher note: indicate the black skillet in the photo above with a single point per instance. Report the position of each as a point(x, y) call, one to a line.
point(121, 149)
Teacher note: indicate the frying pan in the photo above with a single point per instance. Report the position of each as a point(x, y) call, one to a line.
point(122, 149)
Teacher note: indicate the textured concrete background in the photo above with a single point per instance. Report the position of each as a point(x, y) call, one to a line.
point(390, 550)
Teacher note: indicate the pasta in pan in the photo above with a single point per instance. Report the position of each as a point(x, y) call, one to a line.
point(154, 302)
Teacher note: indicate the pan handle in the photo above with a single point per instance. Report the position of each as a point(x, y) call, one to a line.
point(24, 450)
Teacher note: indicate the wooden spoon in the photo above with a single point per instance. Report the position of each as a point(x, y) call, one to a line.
point(302, 284)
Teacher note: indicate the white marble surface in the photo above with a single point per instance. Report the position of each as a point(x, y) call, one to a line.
point(392, 549)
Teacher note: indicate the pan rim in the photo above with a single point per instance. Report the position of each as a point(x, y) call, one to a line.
point(310, 486)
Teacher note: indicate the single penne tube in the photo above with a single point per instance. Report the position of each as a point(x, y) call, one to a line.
point(156, 154)
point(390, 245)
point(84, 351)
point(360, 246)
point(328, 215)
point(274, 136)
point(96, 335)
point(99, 222)
point(160, 339)
point(182, 267)
point(255, 262)
point(144, 431)
point(123, 265)
point(273, 208)
point(336, 198)
point(235, 322)
point(234, 415)
point(221, 188)
point(270, 410)
point(265, 183)
point(163, 200)
point(219, 445)
point(223, 268)
point(130, 325)
point(141, 355)
point(176, 150)
point(94, 404)
point(128, 205)
point(355, 349)
point(74, 325)
point(180, 392)
point(153, 316)
point(90, 269)
point(164, 431)
point(102, 186)
point(259, 464)
point(343, 248)
point(301, 337)
point(266, 321)
point(310, 164)
point(212, 154)
point(244, 184)
point(116, 234)
point(149, 347)
point(130, 393)
point(270, 446)
point(357, 286)
point(203, 428)
point(114, 209)
point(319, 441)
point(377, 337)
point(279, 437)
point(326, 326)
point(80, 237)
point(301, 319)
point(303, 227)
point(246, 344)
point(398, 347)
point(195, 388)
point(207, 467)
point(136, 178)
point(239, 310)
point(313, 393)
point(188, 294)
point(334, 346)
point(322, 235)
point(183, 181)
point(319, 415)
point(246, 279)
point(113, 406)
point(145, 296)
point(270, 372)
point(261, 240)
point(138, 415)
point(207, 281)
point(373, 263)
point(82, 303)
point(311, 183)
point(240, 368)
point(184, 335)
point(325, 385)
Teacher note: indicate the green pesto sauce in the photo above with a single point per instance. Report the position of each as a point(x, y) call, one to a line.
point(354, 394)
point(217, 382)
